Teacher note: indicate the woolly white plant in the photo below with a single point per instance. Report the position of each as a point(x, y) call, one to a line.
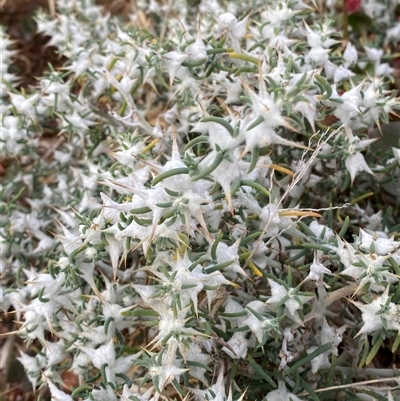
point(177, 238)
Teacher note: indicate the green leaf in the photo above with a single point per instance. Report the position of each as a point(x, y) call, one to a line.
point(309, 390)
point(307, 359)
point(325, 85)
point(260, 371)
point(219, 266)
point(345, 226)
point(140, 312)
point(220, 121)
point(169, 173)
point(374, 350)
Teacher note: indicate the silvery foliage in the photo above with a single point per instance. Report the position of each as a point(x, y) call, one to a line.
point(189, 186)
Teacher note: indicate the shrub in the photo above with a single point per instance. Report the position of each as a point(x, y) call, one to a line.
point(193, 208)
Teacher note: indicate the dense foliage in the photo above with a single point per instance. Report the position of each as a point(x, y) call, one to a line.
point(194, 207)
